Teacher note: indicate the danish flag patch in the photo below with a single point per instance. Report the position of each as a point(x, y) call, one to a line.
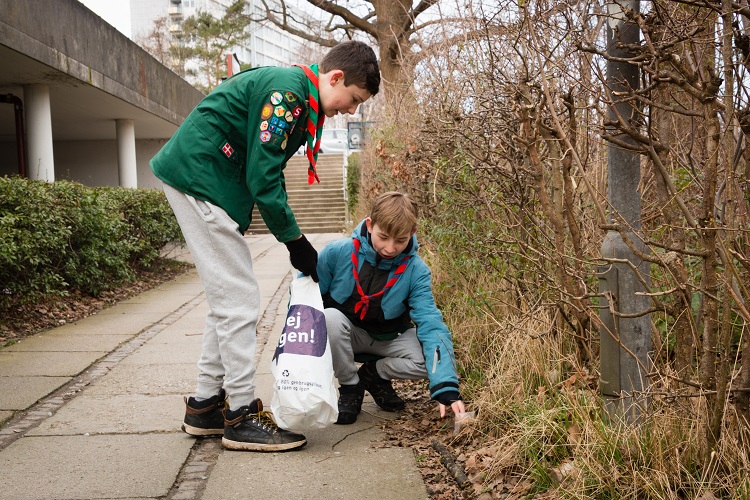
point(228, 150)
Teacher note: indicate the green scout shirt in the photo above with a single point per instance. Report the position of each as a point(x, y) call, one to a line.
point(232, 148)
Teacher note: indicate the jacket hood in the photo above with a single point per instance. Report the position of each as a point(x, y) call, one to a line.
point(363, 235)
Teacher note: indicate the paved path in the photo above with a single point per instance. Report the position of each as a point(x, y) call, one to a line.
point(92, 410)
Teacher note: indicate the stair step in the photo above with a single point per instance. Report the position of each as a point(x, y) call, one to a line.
point(318, 207)
point(338, 208)
point(302, 213)
point(329, 183)
point(320, 194)
point(304, 218)
point(305, 228)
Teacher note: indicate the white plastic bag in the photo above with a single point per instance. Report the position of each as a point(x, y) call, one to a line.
point(304, 395)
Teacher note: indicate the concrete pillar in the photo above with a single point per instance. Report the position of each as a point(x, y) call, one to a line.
point(41, 161)
point(126, 165)
point(625, 341)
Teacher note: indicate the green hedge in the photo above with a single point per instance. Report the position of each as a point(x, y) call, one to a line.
point(352, 181)
point(54, 236)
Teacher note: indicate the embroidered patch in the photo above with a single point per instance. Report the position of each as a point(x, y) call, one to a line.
point(228, 150)
point(266, 112)
point(278, 138)
point(279, 123)
point(282, 119)
point(276, 98)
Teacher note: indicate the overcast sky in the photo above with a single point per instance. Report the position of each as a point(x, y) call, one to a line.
point(115, 12)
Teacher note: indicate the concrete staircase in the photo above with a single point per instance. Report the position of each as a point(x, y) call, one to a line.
point(318, 208)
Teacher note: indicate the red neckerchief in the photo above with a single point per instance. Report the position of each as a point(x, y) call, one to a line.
point(315, 121)
point(364, 300)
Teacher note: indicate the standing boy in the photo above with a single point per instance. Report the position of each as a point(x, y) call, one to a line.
point(375, 290)
point(228, 156)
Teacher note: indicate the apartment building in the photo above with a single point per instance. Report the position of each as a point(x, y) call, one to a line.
point(267, 45)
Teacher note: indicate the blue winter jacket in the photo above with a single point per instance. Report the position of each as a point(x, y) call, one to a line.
point(411, 295)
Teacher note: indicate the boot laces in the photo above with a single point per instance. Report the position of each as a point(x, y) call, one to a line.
point(265, 419)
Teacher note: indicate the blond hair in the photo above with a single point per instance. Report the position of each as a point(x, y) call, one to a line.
point(395, 213)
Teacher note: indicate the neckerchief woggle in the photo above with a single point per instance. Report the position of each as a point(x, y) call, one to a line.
point(364, 300)
point(315, 121)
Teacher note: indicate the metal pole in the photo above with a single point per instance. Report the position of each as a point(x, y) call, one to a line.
point(625, 342)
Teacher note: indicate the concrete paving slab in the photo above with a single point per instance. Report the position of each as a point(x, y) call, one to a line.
point(4, 416)
point(120, 414)
point(349, 469)
point(179, 343)
point(154, 308)
point(191, 324)
point(53, 364)
point(146, 379)
point(111, 321)
point(261, 243)
point(156, 300)
point(189, 276)
point(180, 253)
point(185, 289)
point(18, 393)
point(180, 351)
point(53, 340)
point(85, 467)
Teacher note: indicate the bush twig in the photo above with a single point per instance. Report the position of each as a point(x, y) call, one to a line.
point(455, 470)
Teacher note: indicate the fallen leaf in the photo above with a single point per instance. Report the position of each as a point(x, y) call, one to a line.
point(574, 433)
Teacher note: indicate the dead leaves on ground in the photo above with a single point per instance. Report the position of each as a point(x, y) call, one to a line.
point(420, 423)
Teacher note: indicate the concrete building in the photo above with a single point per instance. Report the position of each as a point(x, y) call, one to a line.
point(79, 100)
point(267, 45)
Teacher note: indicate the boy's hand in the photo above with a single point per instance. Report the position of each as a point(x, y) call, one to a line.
point(303, 256)
point(452, 399)
point(456, 406)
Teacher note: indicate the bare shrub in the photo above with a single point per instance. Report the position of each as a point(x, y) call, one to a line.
point(506, 150)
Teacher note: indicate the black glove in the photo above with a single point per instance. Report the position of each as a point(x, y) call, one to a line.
point(303, 256)
point(448, 397)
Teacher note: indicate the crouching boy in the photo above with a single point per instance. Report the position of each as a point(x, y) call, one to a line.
point(378, 301)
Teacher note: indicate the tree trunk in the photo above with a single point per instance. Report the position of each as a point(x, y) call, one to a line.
point(710, 282)
point(395, 51)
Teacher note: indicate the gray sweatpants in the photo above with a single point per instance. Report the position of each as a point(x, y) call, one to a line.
point(225, 267)
point(402, 356)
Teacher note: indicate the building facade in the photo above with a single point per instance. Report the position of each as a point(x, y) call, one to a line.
point(268, 45)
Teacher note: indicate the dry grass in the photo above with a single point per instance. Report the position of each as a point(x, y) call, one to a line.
point(541, 421)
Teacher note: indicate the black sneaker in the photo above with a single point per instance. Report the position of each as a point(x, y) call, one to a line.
point(251, 429)
point(381, 390)
point(204, 418)
point(350, 403)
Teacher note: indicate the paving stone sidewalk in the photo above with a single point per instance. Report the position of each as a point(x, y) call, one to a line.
point(92, 410)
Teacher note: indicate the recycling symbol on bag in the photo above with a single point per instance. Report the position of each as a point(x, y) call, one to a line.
point(285, 373)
